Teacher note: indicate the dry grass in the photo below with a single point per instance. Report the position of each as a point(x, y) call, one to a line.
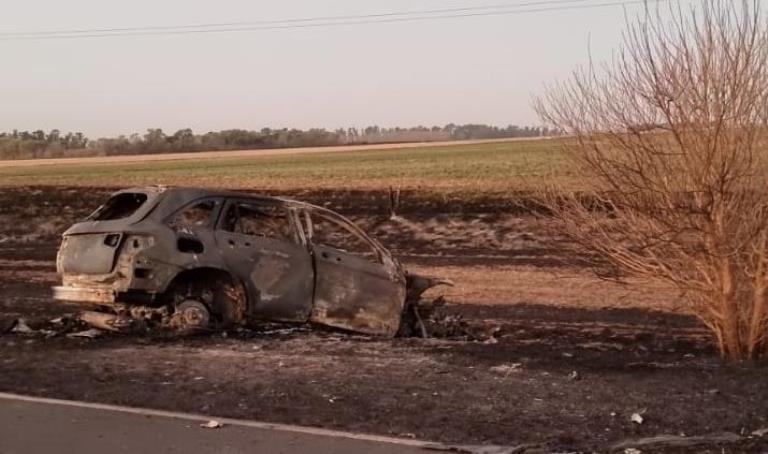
point(574, 288)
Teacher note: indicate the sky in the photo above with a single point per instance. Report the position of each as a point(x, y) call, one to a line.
point(464, 70)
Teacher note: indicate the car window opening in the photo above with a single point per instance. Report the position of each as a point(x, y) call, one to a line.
point(255, 220)
point(330, 233)
point(119, 206)
point(197, 215)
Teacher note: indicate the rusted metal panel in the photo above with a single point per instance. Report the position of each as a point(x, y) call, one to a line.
point(89, 253)
point(109, 322)
point(84, 294)
point(356, 295)
point(279, 275)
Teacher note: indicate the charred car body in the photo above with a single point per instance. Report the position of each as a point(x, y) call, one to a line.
point(202, 258)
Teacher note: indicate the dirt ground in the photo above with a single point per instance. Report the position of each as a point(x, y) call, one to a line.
point(558, 360)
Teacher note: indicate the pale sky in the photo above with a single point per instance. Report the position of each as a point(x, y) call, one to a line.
point(474, 69)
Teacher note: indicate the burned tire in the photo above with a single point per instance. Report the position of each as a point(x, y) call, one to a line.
point(223, 298)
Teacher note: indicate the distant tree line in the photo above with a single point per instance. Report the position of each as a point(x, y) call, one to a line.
point(35, 144)
point(54, 144)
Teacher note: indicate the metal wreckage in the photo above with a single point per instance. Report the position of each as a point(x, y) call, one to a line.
point(194, 259)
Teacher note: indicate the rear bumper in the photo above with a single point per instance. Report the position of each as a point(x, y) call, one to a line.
point(84, 294)
point(103, 296)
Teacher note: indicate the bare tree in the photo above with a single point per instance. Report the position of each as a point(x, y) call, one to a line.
point(669, 142)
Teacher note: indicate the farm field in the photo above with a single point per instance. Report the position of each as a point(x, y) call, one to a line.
point(547, 356)
point(474, 168)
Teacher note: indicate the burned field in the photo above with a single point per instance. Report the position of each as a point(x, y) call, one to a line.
point(529, 348)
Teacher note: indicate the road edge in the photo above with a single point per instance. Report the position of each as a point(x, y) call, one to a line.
point(225, 421)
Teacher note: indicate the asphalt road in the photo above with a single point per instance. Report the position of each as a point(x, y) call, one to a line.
point(30, 426)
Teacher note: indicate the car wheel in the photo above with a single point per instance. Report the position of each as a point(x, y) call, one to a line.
point(223, 299)
point(192, 315)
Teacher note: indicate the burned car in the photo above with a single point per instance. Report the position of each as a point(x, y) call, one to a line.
point(198, 258)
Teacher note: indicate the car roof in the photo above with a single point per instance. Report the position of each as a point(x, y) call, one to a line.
point(171, 198)
point(184, 194)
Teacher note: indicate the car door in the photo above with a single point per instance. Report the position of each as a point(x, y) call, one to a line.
point(262, 242)
point(357, 285)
